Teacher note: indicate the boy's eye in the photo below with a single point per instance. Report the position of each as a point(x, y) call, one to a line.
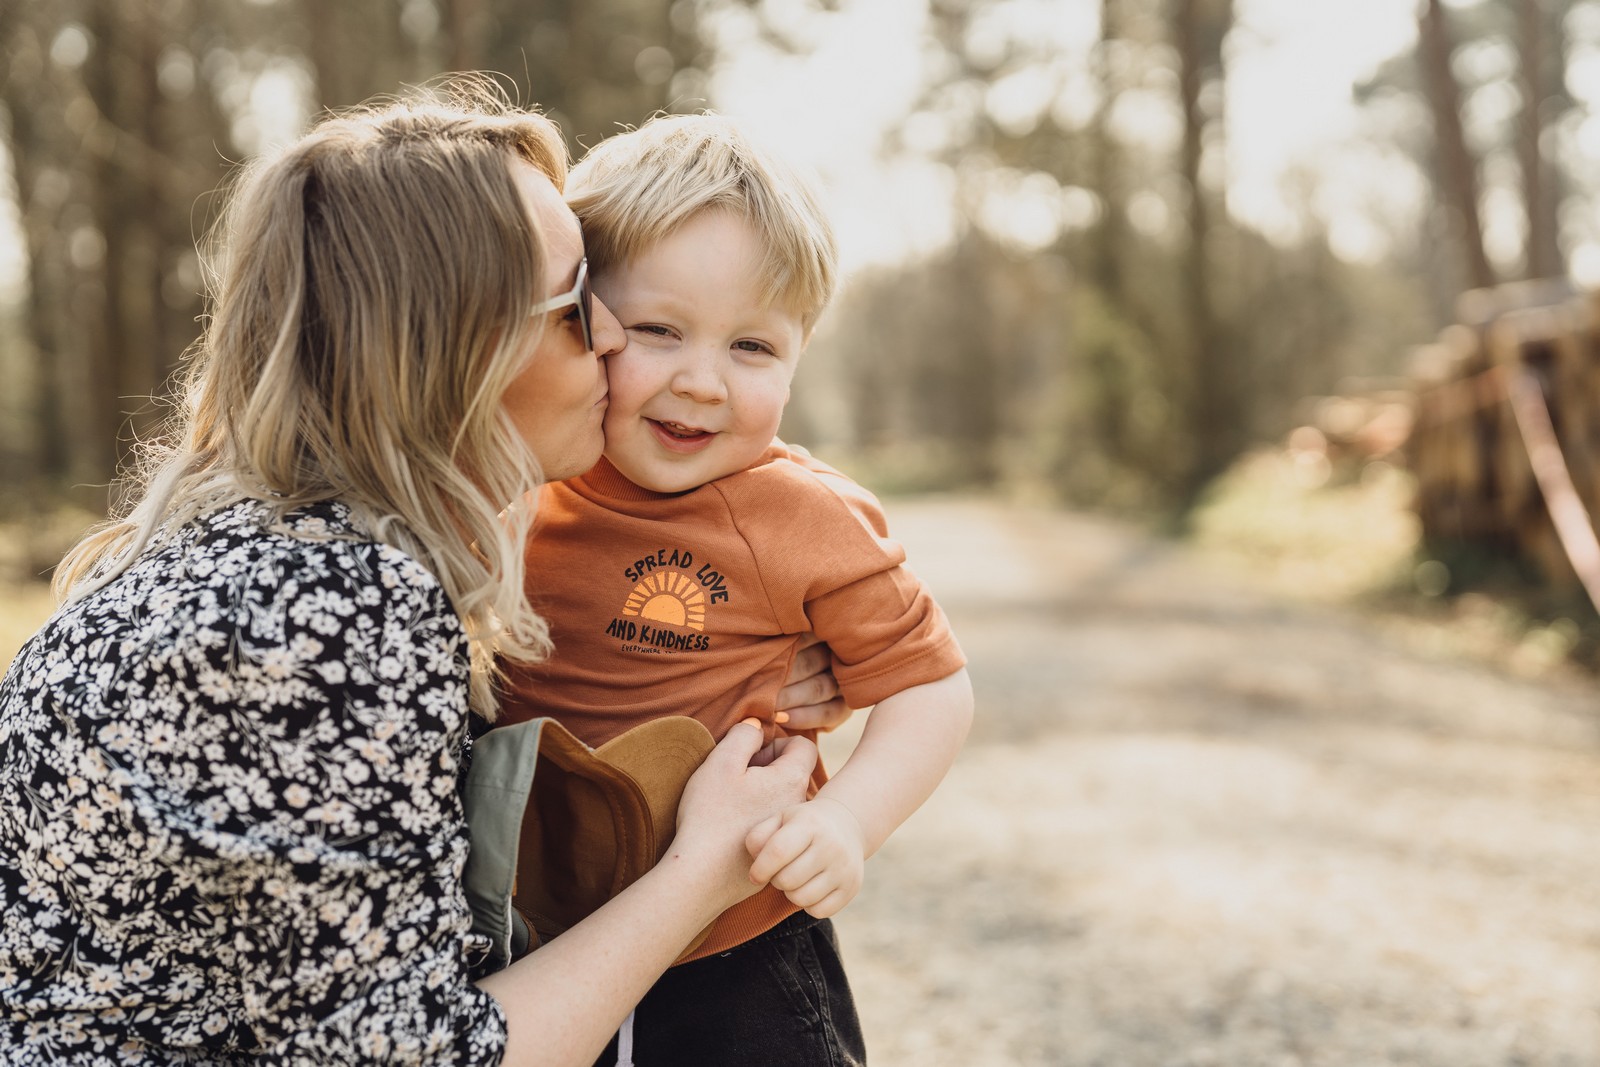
point(753, 346)
point(654, 329)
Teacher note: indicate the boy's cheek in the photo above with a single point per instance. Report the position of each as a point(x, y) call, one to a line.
point(628, 380)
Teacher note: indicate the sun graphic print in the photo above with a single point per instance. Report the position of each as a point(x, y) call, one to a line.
point(670, 597)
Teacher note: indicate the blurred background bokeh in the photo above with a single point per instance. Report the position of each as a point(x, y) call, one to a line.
point(1100, 253)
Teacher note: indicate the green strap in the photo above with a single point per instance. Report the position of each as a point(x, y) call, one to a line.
point(499, 780)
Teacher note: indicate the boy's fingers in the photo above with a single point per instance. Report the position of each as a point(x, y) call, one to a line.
point(760, 834)
point(823, 895)
point(810, 892)
point(768, 862)
point(830, 905)
point(783, 847)
point(807, 866)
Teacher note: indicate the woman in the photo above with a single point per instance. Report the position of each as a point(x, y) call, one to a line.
point(230, 826)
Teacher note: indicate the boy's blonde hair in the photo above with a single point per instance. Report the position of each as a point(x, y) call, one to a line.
point(370, 304)
point(634, 189)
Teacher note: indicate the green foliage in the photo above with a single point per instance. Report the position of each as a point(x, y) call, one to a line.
point(1296, 523)
point(1345, 534)
point(985, 366)
point(1109, 444)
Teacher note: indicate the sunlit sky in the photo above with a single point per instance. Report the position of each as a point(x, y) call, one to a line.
point(1295, 140)
point(1291, 65)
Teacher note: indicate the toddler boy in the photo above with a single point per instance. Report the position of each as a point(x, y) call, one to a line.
point(678, 574)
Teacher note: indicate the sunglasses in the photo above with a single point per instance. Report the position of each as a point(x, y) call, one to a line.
point(579, 294)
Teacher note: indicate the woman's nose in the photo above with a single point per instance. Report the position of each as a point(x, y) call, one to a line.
point(609, 336)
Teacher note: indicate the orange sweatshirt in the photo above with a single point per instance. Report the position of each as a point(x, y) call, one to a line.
point(692, 604)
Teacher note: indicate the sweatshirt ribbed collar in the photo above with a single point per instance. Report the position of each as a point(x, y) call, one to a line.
point(606, 481)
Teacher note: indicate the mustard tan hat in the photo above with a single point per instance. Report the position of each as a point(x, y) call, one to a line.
point(599, 818)
point(559, 828)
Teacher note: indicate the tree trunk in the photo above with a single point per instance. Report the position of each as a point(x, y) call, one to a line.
point(121, 327)
point(1540, 49)
point(1111, 234)
point(1458, 168)
point(34, 120)
point(463, 25)
point(1209, 385)
point(357, 49)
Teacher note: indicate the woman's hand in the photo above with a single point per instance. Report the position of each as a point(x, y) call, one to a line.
point(810, 697)
point(741, 785)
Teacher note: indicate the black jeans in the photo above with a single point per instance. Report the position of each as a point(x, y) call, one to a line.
point(778, 1000)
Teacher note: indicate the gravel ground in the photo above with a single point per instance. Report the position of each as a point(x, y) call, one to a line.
point(1199, 825)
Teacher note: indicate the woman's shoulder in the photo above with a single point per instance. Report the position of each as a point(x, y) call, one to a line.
point(253, 552)
point(245, 583)
point(311, 537)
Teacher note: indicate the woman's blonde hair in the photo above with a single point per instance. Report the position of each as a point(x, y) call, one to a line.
point(369, 305)
point(636, 188)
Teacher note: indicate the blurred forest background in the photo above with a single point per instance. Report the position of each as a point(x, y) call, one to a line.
point(1096, 325)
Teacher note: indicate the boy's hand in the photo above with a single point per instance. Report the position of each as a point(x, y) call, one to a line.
point(735, 789)
point(814, 852)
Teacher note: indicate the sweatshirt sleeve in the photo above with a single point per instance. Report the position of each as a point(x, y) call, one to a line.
point(830, 566)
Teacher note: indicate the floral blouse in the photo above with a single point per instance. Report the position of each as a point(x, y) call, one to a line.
point(230, 826)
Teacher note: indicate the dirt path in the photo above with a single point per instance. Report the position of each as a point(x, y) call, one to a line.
point(1197, 826)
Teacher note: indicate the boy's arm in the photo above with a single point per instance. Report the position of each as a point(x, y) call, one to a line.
point(909, 742)
point(815, 851)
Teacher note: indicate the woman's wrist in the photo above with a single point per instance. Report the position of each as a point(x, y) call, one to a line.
point(562, 1000)
point(713, 878)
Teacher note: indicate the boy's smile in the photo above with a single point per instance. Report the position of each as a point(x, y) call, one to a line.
point(699, 390)
point(682, 439)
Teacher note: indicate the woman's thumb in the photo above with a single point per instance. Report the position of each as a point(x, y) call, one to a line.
point(799, 757)
point(740, 743)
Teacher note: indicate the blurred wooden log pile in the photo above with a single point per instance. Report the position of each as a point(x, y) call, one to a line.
point(1505, 439)
point(1368, 420)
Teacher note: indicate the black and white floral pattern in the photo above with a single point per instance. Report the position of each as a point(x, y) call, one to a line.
point(230, 827)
